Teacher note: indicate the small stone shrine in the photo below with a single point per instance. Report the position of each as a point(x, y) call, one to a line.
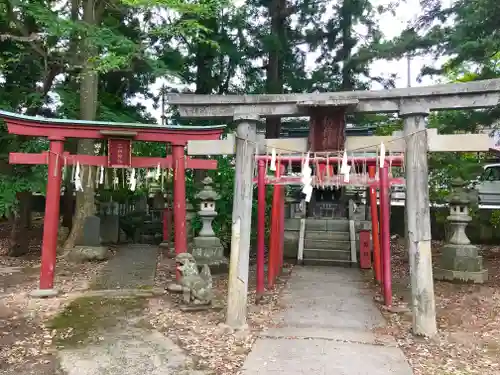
point(206, 247)
point(460, 260)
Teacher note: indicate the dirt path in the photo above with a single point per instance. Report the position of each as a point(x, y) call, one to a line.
point(132, 267)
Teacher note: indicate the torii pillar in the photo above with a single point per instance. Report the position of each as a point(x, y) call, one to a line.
point(417, 215)
point(179, 210)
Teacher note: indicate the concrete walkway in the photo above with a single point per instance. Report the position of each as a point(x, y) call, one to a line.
point(326, 330)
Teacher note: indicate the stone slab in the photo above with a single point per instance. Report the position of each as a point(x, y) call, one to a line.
point(110, 229)
point(338, 334)
point(128, 352)
point(326, 330)
point(330, 297)
point(44, 293)
point(91, 232)
point(323, 357)
point(88, 253)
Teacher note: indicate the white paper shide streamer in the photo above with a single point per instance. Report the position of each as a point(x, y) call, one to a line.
point(101, 175)
point(158, 172)
point(272, 167)
point(307, 179)
point(345, 168)
point(78, 180)
point(133, 180)
point(382, 155)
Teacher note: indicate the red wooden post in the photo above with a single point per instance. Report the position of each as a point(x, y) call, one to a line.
point(279, 228)
point(385, 234)
point(364, 250)
point(273, 262)
point(51, 220)
point(375, 231)
point(180, 235)
point(261, 228)
point(282, 223)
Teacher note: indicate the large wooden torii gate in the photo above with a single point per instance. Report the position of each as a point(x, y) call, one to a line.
point(411, 104)
point(119, 137)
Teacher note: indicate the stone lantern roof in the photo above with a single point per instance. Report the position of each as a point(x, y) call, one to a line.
point(208, 193)
point(460, 194)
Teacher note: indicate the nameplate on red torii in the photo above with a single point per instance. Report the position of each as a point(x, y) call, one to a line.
point(119, 153)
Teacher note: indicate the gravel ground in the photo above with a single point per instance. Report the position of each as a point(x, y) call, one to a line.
point(468, 317)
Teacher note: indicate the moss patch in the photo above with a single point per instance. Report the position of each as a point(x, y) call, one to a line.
point(85, 317)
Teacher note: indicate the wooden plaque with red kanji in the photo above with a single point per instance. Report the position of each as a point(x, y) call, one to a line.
point(119, 153)
point(327, 129)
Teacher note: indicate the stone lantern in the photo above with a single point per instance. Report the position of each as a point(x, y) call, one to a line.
point(207, 211)
point(206, 247)
point(460, 260)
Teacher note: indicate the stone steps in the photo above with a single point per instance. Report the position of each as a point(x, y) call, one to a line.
point(327, 262)
point(327, 242)
point(327, 254)
point(330, 235)
point(330, 225)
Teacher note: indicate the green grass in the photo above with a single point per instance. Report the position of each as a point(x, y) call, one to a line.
point(85, 317)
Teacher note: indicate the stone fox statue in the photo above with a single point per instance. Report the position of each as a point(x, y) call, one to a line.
point(196, 286)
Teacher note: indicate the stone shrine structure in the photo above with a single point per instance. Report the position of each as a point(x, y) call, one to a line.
point(206, 247)
point(412, 105)
point(460, 260)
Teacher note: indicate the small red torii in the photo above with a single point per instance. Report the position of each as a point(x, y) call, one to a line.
point(119, 137)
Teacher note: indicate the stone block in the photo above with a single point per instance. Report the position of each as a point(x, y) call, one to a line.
point(110, 229)
point(206, 242)
point(91, 232)
point(291, 244)
point(462, 258)
point(292, 224)
point(209, 251)
point(461, 276)
point(80, 254)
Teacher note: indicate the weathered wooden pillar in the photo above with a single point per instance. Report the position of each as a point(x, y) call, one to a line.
point(417, 214)
point(246, 135)
point(51, 219)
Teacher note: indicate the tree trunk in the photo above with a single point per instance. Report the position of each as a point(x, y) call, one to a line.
point(85, 202)
point(348, 43)
point(19, 241)
point(274, 81)
point(68, 199)
point(205, 77)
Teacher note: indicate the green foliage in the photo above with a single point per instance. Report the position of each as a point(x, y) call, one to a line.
point(215, 47)
point(495, 219)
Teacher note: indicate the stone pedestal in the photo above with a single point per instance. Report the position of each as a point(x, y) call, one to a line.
point(209, 251)
point(461, 263)
point(460, 260)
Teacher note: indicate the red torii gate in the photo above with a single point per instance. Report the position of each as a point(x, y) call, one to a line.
point(119, 137)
